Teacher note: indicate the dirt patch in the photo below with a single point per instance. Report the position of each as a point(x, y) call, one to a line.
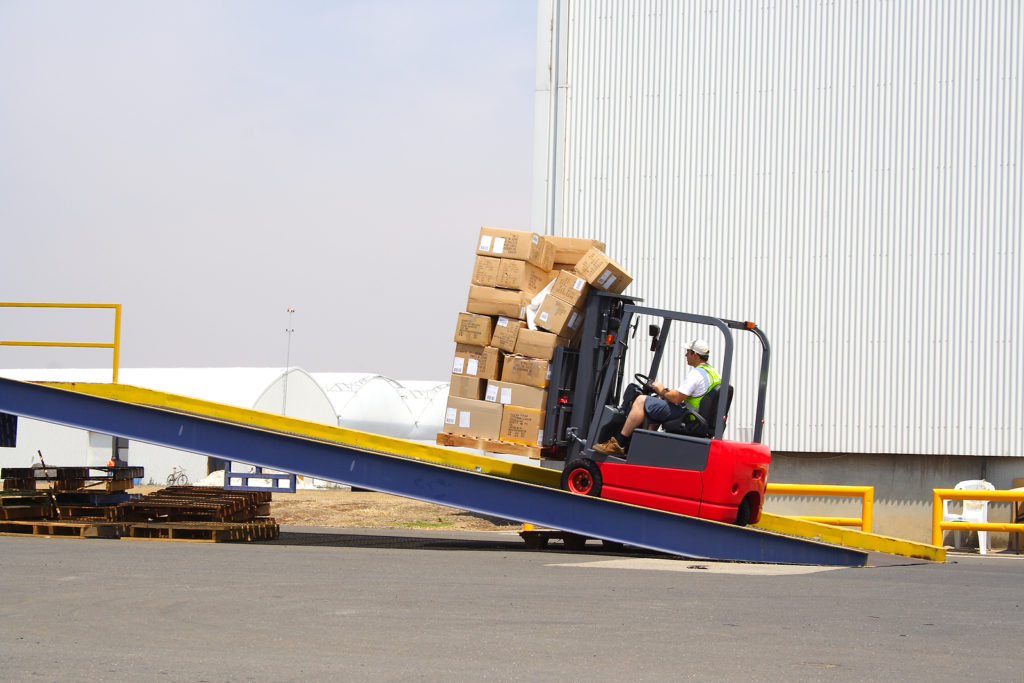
point(366, 509)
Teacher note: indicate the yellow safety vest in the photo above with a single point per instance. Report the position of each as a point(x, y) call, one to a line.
point(715, 380)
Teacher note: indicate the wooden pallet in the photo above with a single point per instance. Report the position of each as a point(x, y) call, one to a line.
point(196, 504)
point(64, 529)
point(12, 512)
point(204, 532)
point(489, 445)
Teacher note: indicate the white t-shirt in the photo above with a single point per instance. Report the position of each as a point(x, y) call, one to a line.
point(696, 383)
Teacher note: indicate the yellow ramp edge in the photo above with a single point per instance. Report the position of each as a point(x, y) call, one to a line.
point(315, 430)
point(851, 538)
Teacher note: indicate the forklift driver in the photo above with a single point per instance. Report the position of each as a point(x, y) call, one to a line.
point(665, 404)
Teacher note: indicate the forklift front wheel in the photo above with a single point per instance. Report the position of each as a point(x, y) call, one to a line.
point(583, 477)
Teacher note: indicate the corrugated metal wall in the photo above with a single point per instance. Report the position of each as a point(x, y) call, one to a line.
point(847, 174)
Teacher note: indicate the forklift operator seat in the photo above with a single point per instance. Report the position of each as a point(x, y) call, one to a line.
point(704, 426)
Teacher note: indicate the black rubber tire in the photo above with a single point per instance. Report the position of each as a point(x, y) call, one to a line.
point(744, 513)
point(582, 476)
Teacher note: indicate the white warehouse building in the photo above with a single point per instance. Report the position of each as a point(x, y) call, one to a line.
point(848, 176)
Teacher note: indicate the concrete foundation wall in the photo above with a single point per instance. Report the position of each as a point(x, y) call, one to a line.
point(903, 488)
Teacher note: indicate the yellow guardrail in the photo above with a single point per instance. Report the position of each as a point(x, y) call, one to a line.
point(115, 345)
point(938, 526)
point(865, 493)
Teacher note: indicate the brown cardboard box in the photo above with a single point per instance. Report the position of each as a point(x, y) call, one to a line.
point(506, 330)
point(522, 275)
point(494, 301)
point(554, 315)
point(516, 244)
point(466, 386)
point(538, 344)
point(508, 393)
point(570, 288)
point(485, 271)
point(522, 425)
point(480, 419)
point(533, 372)
point(483, 362)
point(602, 272)
point(475, 329)
point(571, 249)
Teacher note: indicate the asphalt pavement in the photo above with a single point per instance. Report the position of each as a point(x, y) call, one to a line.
point(376, 605)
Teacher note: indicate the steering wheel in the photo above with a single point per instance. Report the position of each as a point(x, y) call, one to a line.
point(645, 383)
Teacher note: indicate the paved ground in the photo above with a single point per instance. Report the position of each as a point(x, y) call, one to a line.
point(408, 605)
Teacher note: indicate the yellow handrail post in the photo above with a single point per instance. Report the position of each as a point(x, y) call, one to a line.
point(117, 339)
point(867, 507)
point(936, 517)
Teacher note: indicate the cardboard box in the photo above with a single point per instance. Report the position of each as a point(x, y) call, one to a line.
point(467, 386)
point(570, 288)
point(494, 301)
point(485, 271)
point(522, 275)
point(475, 329)
point(506, 331)
point(483, 362)
point(598, 269)
point(554, 315)
point(538, 344)
point(522, 425)
point(520, 245)
point(571, 249)
point(468, 417)
point(534, 372)
point(507, 393)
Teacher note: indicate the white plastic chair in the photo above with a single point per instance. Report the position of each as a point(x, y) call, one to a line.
point(974, 511)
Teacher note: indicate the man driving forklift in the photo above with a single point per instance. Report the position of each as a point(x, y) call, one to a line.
point(665, 404)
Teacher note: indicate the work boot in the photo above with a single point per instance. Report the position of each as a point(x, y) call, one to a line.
point(610, 447)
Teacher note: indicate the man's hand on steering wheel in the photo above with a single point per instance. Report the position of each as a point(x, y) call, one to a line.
point(644, 382)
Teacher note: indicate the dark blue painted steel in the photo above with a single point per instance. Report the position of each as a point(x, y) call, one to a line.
point(457, 488)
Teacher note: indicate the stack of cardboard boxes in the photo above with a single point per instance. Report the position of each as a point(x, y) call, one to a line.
point(500, 374)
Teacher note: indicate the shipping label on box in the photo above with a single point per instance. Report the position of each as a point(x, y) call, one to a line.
point(522, 425)
point(507, 393)
point(601, 272)
point(571, 249)
point(538, 344)
point(485, 271)
point(570, 288)
point(467, 386)
point(494, 301)
point(483, 362)
point(475, 329)
point(506, 330)
point(469, 417)
point(534, 372)
point(523, 276)
point(520, 245)
point(554, 315)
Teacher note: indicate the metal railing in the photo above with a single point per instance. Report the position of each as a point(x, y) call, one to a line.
point(939, 495)
point(115, 345)
point(865, 493)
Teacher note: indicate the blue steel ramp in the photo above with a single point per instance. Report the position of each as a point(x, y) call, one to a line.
point(391, 473)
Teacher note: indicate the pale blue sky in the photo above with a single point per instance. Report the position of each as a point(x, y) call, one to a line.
point(207, 164)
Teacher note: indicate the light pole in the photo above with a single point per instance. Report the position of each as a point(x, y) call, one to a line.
point(287, 361)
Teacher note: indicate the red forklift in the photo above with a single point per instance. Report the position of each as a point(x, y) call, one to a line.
point(686, 466)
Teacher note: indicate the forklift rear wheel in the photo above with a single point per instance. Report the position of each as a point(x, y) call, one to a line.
point(583, 477)
point(743, 513)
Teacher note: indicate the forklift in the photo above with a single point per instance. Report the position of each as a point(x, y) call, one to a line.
point(685, 466)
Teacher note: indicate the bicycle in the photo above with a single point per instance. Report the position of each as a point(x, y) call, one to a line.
point(177, 477)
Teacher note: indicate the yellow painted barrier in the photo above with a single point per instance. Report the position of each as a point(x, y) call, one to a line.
point(865, 493)
point(938, 526)
point(115, 345)
point(850, 537)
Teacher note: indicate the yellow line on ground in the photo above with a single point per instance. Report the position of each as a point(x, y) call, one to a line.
point(315, 430)
point(850, 538)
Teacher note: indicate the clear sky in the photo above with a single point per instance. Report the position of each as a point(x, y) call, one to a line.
point(209, 164)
